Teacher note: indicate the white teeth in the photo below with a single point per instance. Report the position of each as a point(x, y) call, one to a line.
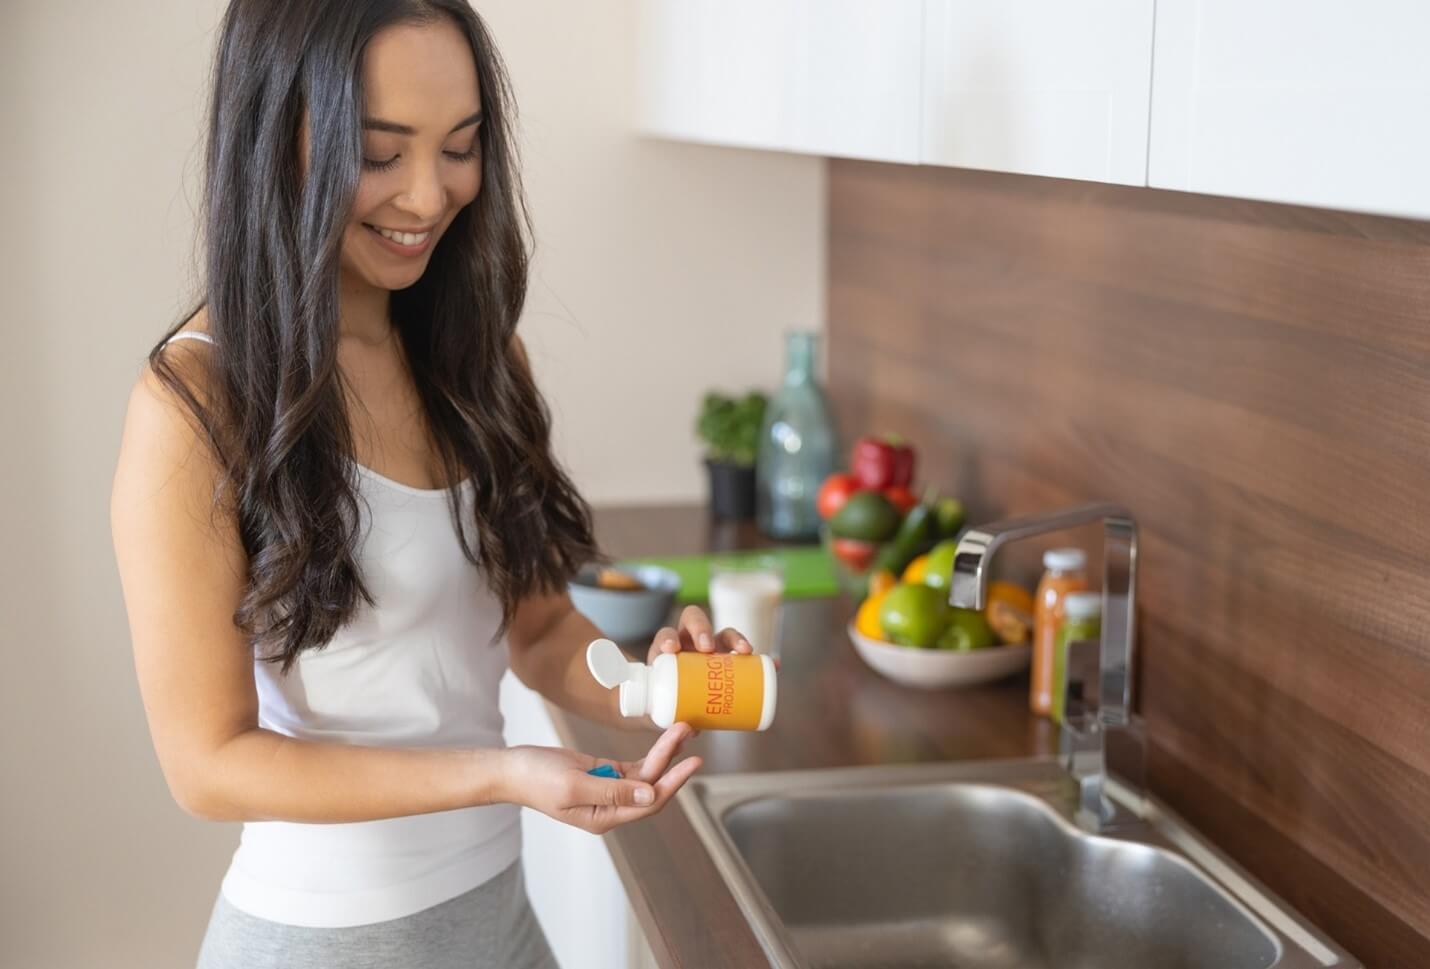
point(403, 238)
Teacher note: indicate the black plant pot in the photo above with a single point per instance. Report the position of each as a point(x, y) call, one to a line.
point(732, 490)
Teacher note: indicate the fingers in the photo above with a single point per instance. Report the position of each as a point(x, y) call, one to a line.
point(601, 804)
point(696, 633)
point(667, 640)
point(661, 753)
point(695, 630)
point(609, 793)
point(674, 779)
point(603, 819)
point(733, 640)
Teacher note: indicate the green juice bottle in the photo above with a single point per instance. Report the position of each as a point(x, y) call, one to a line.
point(1082, 619)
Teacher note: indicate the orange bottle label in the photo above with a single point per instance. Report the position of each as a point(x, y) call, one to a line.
point(1047, 616)
point(719, 691)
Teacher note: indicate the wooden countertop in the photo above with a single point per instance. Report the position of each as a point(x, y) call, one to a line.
point(833, 712)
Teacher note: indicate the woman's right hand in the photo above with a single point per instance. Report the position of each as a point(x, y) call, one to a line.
point(553, 780)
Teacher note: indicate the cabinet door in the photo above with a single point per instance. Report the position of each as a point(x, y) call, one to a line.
point(714, 70)
point(853, 78)
point(1039, 87)
point(824, 77)
point(570, 878)
point(1316, 102)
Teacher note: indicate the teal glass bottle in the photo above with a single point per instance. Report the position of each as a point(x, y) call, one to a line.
point(798, 445)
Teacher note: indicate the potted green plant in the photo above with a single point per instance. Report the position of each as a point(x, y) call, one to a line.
point(730, 430)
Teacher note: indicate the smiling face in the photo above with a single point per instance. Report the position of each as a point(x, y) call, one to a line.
point(422, 158)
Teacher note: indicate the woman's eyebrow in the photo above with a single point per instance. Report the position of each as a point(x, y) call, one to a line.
point(377, 124)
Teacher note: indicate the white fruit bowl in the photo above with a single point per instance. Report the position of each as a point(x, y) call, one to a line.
point(934, 669)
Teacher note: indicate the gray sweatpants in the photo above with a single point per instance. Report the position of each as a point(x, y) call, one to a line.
point(490, 927)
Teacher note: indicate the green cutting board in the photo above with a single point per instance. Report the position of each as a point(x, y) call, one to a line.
point(809, 572)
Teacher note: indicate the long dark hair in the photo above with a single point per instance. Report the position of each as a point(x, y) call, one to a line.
point(273, 409)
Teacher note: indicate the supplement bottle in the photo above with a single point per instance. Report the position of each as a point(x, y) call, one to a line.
point(709, 691)
point(1064, 575)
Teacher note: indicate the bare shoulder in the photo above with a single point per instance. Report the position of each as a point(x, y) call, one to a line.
point(164, 449)
point(188, 359)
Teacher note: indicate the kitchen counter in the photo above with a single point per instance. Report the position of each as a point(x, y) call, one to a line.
point(833, 712)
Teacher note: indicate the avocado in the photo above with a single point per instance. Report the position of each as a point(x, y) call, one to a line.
point(867, 516)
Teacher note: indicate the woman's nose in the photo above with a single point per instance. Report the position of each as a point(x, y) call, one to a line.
point(425, 196)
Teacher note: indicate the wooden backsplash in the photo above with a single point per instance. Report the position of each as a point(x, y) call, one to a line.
point(1253, 381)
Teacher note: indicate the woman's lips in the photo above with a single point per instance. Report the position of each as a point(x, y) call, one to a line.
point(416, 248)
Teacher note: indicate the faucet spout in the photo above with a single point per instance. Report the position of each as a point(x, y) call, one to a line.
point(1085, 726)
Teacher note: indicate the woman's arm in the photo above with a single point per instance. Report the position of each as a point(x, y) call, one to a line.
point(182, 569)
point(546, 643)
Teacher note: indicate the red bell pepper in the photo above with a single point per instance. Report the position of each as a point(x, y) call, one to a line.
point(880, 463)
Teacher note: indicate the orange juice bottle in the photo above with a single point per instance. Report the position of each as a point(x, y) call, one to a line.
point(709, 691)
point(1065, 573)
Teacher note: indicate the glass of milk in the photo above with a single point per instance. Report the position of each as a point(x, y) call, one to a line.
point(745, 594)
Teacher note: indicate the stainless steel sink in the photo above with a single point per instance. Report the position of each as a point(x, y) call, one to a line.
point(978, 864)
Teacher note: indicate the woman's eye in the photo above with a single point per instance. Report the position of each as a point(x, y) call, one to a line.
point(373, 165)
point(381, 165)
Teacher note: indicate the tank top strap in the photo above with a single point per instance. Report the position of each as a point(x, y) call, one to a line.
point(189, 335)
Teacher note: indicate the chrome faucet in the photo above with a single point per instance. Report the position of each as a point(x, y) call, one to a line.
point(1098, 694)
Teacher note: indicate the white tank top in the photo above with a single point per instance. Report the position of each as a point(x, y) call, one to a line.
point(415, 669)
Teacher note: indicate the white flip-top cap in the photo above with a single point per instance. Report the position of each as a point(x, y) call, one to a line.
point(1064, 559)
point(611, 669)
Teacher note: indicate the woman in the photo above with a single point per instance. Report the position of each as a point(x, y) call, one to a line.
point(337, 516)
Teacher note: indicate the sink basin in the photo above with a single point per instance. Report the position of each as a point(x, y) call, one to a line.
point(975, 865)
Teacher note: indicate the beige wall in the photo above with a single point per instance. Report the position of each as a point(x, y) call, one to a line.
point(662, 269)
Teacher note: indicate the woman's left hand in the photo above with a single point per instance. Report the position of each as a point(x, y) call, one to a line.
point(696, 633)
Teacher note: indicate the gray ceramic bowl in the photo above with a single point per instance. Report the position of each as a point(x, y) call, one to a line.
point(627, 616)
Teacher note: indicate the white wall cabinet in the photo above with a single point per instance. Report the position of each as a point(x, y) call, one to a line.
point(826, 77)
point(1315, 102)
point(1039, 88)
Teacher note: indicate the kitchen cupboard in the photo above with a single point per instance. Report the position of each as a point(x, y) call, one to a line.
point(1038, 88)
point(824, 77)
point(1316, 103)
point(572, 882)
point(1310, 102)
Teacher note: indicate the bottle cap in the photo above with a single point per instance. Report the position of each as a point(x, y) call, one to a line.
point(635, 693)
point(1064, 559)
point(1082, 605)
point(611, 669)
point(607, 663)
